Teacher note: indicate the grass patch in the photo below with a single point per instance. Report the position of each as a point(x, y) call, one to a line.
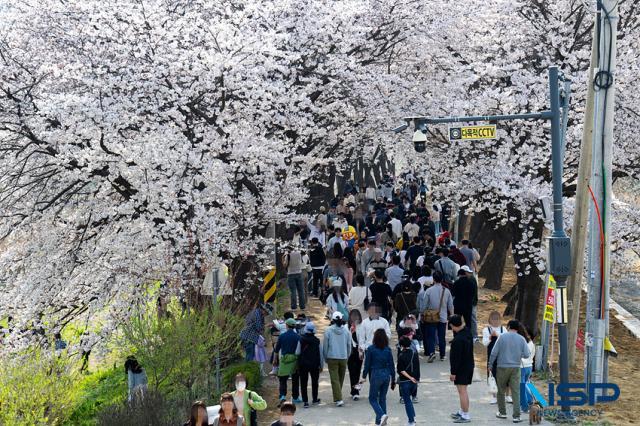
point(97, 391)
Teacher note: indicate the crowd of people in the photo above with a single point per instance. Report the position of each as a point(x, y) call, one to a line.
point(379, 258)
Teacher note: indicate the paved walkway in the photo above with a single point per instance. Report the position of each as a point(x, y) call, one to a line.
point(437, 396)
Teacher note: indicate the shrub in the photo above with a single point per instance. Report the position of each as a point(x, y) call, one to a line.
point(178, 352)
point(98, 390)
point(36, 387)
point(152, 410)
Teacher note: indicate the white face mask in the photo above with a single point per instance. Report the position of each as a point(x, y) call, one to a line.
point(241, 386)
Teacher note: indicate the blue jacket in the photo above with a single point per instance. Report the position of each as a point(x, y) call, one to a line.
point(378, 361)
point(288, 343)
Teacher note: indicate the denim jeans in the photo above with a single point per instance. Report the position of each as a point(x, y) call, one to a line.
point(435, 333)
point(250, 351)
point(294, 281)
point(525, 398)
point(378, 385)
point(407, 389)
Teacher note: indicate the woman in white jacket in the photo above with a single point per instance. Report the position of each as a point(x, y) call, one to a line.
point(357, 296)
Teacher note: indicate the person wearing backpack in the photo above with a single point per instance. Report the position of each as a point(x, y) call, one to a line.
point(404, 302)
point(408, 368)
point(247, 402)
point(435, 305)
point(309, 363)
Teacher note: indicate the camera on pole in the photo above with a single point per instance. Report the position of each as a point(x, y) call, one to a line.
point(420, 137)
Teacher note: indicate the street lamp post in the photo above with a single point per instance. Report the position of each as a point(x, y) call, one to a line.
point(559, 260)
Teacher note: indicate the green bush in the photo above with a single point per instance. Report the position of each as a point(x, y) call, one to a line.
point(97, 391)
point(152, 410)
point(250, 369)
point(37, 387)
point(178, 352)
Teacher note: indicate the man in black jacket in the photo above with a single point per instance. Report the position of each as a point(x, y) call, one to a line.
point(462, 365)
point(408, 367)
point(309, 363)
point(465, 294)
point(317, 260)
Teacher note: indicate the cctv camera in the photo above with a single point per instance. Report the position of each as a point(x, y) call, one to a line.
point(420, 140)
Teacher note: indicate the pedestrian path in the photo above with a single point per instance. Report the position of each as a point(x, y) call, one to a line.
point(437, 396)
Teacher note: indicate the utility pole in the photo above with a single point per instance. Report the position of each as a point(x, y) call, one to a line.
point(599, 246)
point(216, 291)
point(579, 228)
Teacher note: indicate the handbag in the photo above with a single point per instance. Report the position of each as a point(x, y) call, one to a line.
point(432, 316)
point(491, 381)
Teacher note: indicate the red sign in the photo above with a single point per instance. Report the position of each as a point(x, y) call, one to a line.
point(551, 297)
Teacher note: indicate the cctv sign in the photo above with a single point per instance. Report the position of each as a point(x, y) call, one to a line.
point(472, 132)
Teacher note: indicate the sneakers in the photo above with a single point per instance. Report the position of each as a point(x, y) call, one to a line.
point(316, 402)
point(462, 420)
point(431, 358)
point(298, 400)
point(509, 399)
point(383, 420)
point(339, 403)
point(494, 400)
point(500, 415)
point(415, 400)
point(411, 424)
point(306, 405)
point(455, 415)
point(443, 358)
point(517, 419)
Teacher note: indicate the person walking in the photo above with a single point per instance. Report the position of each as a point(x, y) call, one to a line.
point(317, 260)
point(408, 368)
point(405, 302)
point(292, 261)
point(136, 379)
point(447, 267)
point(436, 305)
point(378, 364)
point(462, 365)
point(394, 273)
point(309, 364)
point(287, 350)
point(254, 326)
point(489, 336)
point(336, 347)
point(247, 402)
point(338, 301)
point(508, 351)
point(465, 292)
point(359, 296)
point(381, 294)
point(354, 363)
point(370, 325)
point(526, 367)
point(228, 414)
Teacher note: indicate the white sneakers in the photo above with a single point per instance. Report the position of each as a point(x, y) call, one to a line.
point(355, 397)
point(494, 400)
point(383, 420)
point(339, 403)
point(509, 399)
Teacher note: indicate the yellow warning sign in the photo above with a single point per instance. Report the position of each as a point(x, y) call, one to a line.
point(550, 301)
point(269, 286)
point(472, 132)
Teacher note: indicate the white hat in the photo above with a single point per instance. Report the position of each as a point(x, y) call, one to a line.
point(465, 268)
point(336, 282)
point(336, 315)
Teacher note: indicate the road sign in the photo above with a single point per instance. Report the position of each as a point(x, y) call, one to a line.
point(269, 286)
point(472, 132)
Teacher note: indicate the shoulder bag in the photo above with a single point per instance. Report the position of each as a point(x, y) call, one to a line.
point(432, 316)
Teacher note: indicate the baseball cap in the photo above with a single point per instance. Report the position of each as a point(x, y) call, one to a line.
point(309, 328)
point(466, 269)
point(290, 322)
point(336, 315)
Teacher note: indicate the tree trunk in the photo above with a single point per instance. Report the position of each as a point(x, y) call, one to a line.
point(492, 269)
point(510, 297)
point(481, 232)
point(529, 283)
